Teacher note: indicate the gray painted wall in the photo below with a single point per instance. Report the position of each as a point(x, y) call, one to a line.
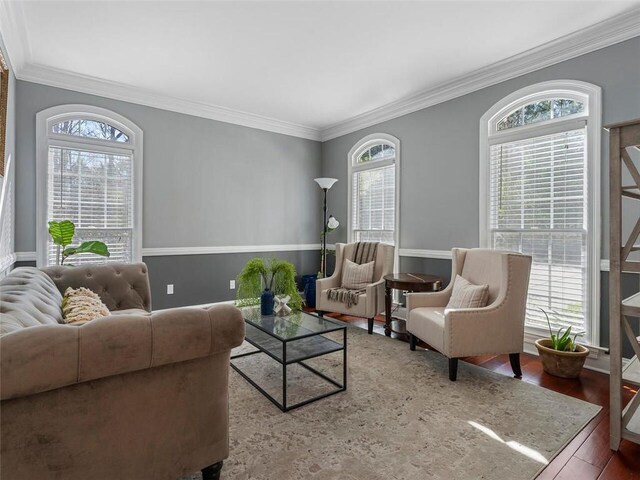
point(440, 149)
point(208, 276)
point(199, 279)
point(206, 183)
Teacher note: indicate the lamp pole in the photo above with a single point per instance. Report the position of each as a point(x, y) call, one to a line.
point(323, 266)
point(325, 184)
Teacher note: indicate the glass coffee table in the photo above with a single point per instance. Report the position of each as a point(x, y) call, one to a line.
point(291, 340)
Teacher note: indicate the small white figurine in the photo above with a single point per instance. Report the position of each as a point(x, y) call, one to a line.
point(281, 308)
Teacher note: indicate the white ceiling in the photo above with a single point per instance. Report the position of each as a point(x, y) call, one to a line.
point(308, 62)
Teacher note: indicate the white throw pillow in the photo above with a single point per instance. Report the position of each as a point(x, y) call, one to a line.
point(356, 276)
point(467, 295)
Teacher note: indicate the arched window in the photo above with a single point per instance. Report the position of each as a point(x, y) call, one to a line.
point(540, 195)
point(90, 172)
point(373, 189)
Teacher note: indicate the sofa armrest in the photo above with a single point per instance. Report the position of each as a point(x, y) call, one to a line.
point(325, 283)
point(478, 331)
point(428, 299)
point(375, 290)
point(39, 359)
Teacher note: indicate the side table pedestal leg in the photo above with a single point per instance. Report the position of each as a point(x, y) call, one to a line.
point(387, 311)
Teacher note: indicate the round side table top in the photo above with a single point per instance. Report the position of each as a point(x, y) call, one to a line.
point(422, 279)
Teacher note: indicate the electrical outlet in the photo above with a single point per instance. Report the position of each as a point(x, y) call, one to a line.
point(170, 289)
point(232, 284)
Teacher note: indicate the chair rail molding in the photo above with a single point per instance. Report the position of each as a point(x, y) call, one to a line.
point(420, 253)
point(170, 251)
point(446, 255)
point(210, 250)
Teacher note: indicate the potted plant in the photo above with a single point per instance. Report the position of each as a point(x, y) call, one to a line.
point(62, 233)
point(561, 356)
point(261, 279)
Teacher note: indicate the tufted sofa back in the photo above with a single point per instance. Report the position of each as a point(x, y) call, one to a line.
point(28, 298)
point(121, 286)
point(31, 296)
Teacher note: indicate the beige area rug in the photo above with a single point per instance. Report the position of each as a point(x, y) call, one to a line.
point(400, 418)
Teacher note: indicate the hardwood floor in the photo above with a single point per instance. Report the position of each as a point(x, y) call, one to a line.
point(587, 456)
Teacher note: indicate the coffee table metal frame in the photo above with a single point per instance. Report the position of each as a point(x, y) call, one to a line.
point(285, 362)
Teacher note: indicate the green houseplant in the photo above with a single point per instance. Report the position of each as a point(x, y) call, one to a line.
point(561, 356)
point(261, 279)
point(62, 233)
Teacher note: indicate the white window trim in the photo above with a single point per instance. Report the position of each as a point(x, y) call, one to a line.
point(360, 146)
point(575, 89)
point(44, 120)
point(8, 187)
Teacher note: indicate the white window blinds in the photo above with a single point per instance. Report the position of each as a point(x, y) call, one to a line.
point(539, 206)
point(94, 190)
point(373, 204)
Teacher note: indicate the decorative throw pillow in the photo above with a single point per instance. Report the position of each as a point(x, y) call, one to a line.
point(82, 305)
point(467, 295)
point(356, 277)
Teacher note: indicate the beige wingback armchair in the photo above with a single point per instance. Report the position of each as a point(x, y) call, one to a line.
point(497, 328)
point(369, 303)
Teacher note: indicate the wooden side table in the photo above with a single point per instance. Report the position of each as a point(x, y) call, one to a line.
point(410, 282)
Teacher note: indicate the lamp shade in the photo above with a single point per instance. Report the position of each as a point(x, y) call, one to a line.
point(326, 182)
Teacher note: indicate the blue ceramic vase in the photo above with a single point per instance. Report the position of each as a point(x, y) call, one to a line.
point(309, 282)
point(266, 302)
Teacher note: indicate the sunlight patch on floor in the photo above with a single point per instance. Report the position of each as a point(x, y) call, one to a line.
point(518, 447)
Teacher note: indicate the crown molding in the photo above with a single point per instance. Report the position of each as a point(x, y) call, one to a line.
point(118, 91)
point(609, 32)
point(13, 34)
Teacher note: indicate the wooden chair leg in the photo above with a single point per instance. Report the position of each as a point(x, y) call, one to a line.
point(412, 342)
point(453, 369)
point(212, 472)
point(514, 358)
point(370, 328)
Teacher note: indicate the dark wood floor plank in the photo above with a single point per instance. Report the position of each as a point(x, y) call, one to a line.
point(587, 456)
point(564, 457)
point(578, 469)
point(595, 449)
point(624, 464)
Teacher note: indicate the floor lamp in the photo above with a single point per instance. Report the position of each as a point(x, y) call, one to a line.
point(325, 184)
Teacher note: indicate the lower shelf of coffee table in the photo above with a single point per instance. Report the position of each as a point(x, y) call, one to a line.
point(297, 350)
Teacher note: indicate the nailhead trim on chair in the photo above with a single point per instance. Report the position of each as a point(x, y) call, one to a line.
point(493, 309)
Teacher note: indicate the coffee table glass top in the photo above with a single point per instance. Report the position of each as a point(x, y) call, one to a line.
point(291, 327)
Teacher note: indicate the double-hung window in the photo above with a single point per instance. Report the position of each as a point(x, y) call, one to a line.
point(539, 187)
point(90, 172)
point(373, 189)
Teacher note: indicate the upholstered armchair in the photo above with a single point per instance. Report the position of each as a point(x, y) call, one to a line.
point(371, 302)
point(497, 328)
